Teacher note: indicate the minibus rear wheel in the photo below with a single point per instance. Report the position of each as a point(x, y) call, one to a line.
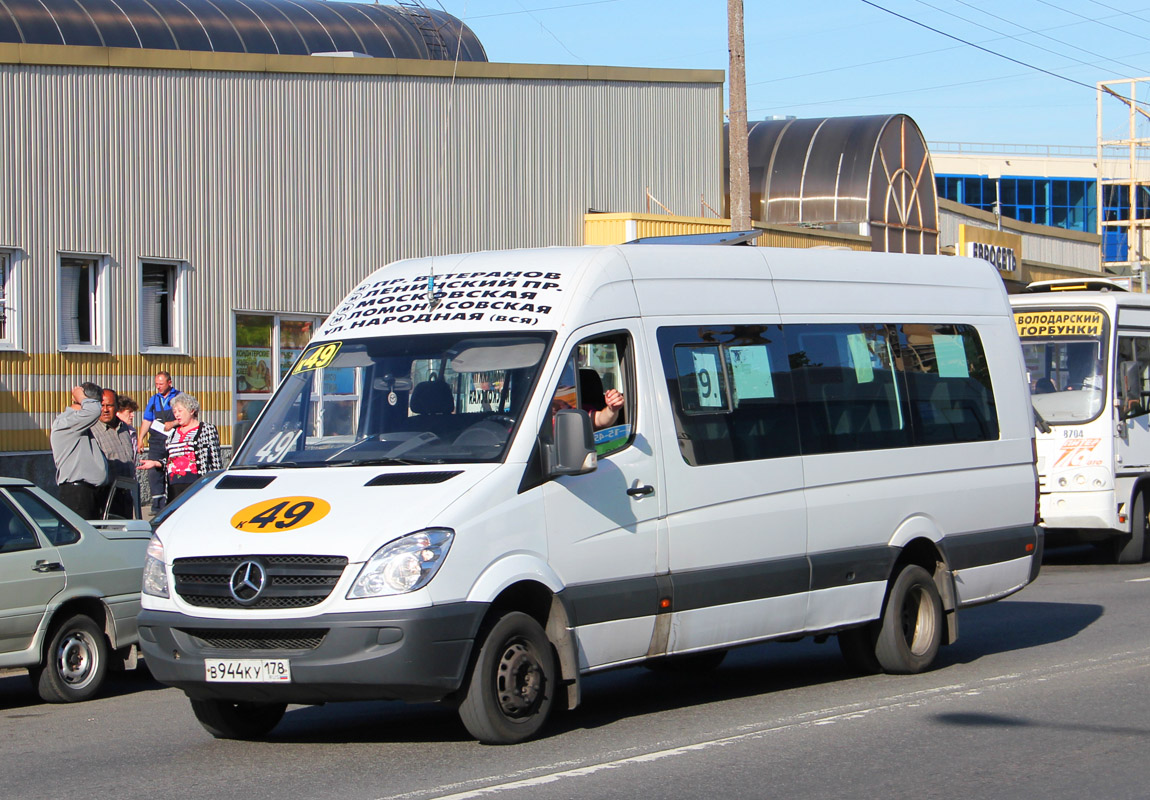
point(911, 631)
point(227, 720)
point(512, 684)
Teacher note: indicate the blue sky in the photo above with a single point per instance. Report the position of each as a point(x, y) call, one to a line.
point(813, 58)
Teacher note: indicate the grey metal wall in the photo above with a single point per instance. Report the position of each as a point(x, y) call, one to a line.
point(282, 188)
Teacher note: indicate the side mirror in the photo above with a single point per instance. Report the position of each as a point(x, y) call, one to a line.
point(573, 452)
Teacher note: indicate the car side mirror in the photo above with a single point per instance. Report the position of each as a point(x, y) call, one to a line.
point(573, 451)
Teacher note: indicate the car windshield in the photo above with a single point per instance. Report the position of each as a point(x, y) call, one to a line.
point(1067, 378)
point(428, 399)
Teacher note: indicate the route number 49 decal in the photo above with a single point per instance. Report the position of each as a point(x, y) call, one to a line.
point(281, 514)
point(317, 357)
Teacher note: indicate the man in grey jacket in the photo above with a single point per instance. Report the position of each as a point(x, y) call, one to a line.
point(81, 468)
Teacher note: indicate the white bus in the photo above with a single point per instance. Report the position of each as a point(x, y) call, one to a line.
point(567, 460)
point(1087, 350)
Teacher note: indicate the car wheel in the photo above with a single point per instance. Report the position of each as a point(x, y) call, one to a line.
point(227, 720)
point(75, 662)
point(911, 631)
point(512, 684)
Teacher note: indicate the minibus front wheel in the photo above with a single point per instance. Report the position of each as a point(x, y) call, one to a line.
point(225, 719)
point(512, 684)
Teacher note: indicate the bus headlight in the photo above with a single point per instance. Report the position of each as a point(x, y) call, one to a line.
point(403, 565)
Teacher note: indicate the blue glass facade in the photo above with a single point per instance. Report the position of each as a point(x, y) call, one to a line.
point(1116, 206)
point(1062, 202)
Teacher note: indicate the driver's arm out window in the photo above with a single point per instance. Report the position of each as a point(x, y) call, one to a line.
point(596, 378)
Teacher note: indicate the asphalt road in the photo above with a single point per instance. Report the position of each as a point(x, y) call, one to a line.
point(1043, 696)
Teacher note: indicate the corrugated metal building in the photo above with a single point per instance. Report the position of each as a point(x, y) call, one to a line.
point(199, 212)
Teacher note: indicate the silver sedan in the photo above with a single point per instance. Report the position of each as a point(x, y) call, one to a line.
point(69, 592)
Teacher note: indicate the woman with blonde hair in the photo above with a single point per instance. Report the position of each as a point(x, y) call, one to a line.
point(193, 447)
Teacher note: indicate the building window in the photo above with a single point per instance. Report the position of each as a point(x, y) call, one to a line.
point(161, 306)
point(266, 347)
point(83, 302)
point(8, 326)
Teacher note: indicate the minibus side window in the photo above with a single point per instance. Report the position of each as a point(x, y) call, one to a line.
point(847, 391)
point(1133, 377)
point(596, 372)
point(730, 390)
point(948, 382)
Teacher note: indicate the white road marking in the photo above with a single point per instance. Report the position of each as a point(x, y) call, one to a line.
point(567, 770)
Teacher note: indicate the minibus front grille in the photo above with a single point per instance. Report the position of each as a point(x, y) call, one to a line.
point(257, 639)
point(291, 581)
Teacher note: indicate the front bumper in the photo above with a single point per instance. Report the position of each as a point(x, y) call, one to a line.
point(416, 655)
point(1089, 510)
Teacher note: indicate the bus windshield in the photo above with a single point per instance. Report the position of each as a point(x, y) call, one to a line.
point(1067, 378)
point(428, 399)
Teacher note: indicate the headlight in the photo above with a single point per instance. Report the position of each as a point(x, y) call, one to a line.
point(155, 574)
point(403, 565)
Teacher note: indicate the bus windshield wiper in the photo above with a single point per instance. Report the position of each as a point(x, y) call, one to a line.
point(383, 462)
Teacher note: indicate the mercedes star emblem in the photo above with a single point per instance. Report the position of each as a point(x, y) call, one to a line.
point(247, 582)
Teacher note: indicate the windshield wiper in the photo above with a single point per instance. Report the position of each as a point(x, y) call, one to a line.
point(383, 462)
point(276, 464)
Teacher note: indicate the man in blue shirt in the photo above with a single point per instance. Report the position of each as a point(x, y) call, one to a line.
point(159, 420)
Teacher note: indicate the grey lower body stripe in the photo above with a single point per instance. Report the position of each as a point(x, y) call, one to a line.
point(629, 598)
point(968, 550)
point(720, 586)
point(848, 567)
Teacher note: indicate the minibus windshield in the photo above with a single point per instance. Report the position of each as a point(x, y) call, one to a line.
point(429, 399)
point(1067, 378)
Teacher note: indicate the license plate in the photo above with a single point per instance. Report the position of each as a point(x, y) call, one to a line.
point(247, 670)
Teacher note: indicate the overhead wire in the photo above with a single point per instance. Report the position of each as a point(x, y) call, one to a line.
point(933, 51)
point(545, 8)
point(988, 51)
point(549, 32)
point(1020, 40)
point(1124, 13)
point(1089, 19)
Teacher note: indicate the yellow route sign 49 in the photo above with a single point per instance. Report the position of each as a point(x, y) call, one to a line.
point(281, 514)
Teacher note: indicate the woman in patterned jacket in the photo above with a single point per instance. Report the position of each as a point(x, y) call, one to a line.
point(193, 447)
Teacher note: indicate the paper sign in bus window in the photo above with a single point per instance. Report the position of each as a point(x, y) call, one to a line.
point(751, 372)
point(860, 357)
point(950, 356)
point(708, 379)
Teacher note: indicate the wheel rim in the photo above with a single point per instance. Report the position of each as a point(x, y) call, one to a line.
point(519, 681)
point(918, 621)
point(76, 659)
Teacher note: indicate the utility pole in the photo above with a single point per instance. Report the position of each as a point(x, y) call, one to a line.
point(740, 180)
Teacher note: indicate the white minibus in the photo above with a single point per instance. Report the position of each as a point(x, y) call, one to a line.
point(491, 474)
point(1087, 350)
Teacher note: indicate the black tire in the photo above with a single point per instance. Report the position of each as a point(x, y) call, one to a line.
point(75, 661)
point(512, 684)
point(227, 720)
point(911, 631)
point(689, 663)
point(857, 646)
point(1130, 548)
